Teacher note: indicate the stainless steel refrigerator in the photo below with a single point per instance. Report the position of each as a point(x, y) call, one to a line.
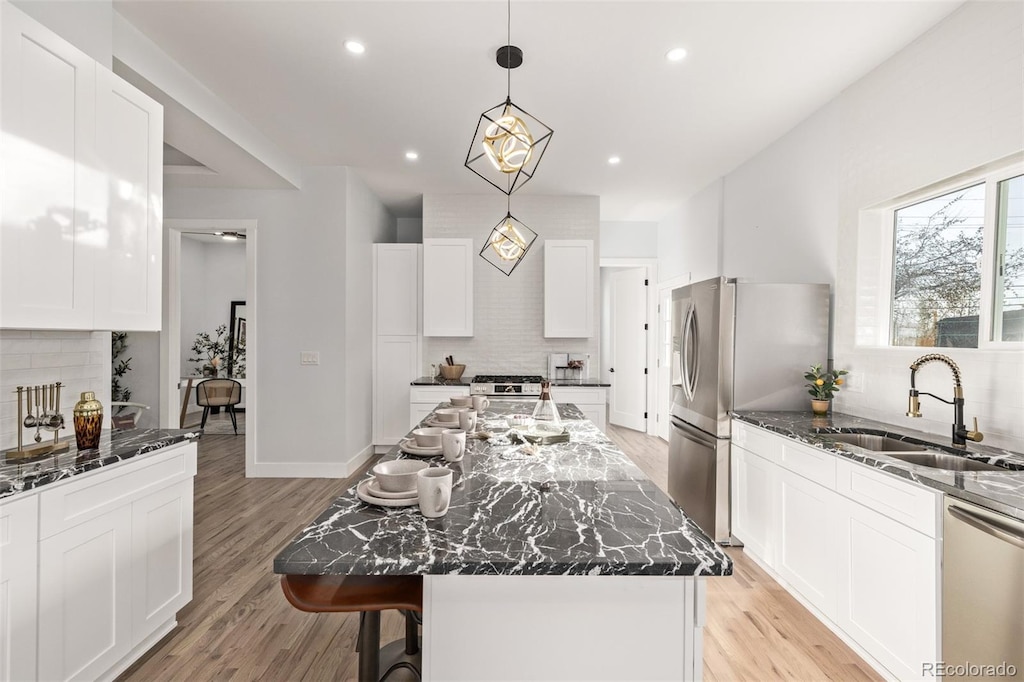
point(736, 346)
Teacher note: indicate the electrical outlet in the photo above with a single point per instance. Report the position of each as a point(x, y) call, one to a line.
point(309, 357)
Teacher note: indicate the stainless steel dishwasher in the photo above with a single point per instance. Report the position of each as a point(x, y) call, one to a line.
point(982, 593)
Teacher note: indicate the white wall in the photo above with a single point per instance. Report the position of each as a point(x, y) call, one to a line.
point(79, 360)
point(301, 305)
point(410, 231)
point(508, 312)
point(86, 24)
point(689, 240)
point(624, 239)
point(144, 377)
point(212, 275)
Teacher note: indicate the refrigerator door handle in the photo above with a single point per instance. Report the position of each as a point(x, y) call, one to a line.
point(690, 433)
point(691, 352)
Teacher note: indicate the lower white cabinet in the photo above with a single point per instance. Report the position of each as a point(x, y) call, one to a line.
point(19, 537)
point(423, 400)
point(592, 401)
point(395, 362)
point(113, 552)
point(859, 545)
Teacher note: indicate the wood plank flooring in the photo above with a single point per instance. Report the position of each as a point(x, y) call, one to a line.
point(239, 626)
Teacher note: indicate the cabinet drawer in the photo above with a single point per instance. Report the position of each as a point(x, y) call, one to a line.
point(579, 396)
point(811, 463)
point(435, 394)
point(755, 439)
point(67, 505)
point(915, 507)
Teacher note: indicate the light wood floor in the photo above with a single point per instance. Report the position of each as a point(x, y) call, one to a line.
point(239, 626)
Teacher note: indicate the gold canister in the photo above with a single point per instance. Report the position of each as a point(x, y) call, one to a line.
point(88, 421)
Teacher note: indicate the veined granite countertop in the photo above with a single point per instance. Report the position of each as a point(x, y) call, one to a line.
point(438, 381)
point(582, 383)
point(18, 475)
point(1001, 491)
point(578, 508)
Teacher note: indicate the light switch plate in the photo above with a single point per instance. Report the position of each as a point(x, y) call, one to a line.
point(309, 357)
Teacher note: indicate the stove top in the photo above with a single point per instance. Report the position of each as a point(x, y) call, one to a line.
point(508, 385)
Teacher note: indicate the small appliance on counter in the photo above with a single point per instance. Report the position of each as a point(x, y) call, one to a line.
point(568, 367)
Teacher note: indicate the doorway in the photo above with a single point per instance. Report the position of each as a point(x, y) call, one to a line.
point(209, 282)
point(628, 340)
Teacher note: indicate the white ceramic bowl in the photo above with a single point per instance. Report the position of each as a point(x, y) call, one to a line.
point(398, 475)
point(448, 414)
point(461, 400)
point(429, 436)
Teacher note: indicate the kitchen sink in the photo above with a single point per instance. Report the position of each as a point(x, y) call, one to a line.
point(937, 460)
point(870, 441)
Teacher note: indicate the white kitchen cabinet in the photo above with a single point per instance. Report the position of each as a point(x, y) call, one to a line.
point(753, 503)
point(397, 346)
point(807, 526)
point(85, 600)
point(423, 400)
point(131, 131)
point(569, 288)
point(81, 161)
point(888, 590)
point(19, 539)
point(54, 191)
point(592, 401)
point(161, 558)
point(448, 287)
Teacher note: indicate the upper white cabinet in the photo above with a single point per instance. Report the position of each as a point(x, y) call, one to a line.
point(53, 194)
point(568, 288)
point(448, 287)
point(396, 289)
point(80, 199)
point(131, 130)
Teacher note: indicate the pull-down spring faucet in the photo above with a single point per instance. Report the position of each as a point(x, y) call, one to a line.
point(960, 433)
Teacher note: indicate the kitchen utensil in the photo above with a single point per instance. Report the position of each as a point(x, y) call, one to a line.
point(461, 401)
point(398, 475)
point(434, 486)
point(448, 415)
point(453, 371)
point(30, 419)
point(363, 493)
point(429, 437)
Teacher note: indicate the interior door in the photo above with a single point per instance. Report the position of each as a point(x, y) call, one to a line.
point(628, 396)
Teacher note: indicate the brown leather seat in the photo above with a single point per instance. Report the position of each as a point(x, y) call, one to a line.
point(369, 595)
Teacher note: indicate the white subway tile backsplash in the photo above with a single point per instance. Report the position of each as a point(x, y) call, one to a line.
point(52, 360)
point(26, 345)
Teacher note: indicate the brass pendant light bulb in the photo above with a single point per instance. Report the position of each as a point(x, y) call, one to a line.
point(507, 242)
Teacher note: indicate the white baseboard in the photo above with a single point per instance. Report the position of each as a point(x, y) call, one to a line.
point(311, 469)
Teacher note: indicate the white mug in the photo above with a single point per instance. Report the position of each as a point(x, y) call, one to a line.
point(453, 444)
point(480, 403)
point(467, 420)
point(434, 487)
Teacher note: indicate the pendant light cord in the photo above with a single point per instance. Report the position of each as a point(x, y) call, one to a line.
point(508, 43)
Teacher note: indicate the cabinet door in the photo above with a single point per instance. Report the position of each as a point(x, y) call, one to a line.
point(806, 556)
point(161, 558)
point(395, 365)
point(569, 288)
point(130, 138)
point(84, 603)
point(888, 590)
point(396, 289)
point(19, 537)
point(448, 287)
point(53, 192)
point(596, 414)
point(754, 503)
point(418, 412)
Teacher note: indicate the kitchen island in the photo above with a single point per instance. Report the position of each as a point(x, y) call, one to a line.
point(565, 564)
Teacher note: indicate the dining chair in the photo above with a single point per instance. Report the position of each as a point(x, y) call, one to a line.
point(224, 393)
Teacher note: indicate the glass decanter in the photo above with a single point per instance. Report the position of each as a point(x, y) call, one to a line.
point(545, 412)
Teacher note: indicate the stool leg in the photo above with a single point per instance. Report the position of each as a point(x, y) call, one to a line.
point(369, 647)
point(206, 413)
point(234, 423)
point(412, 634)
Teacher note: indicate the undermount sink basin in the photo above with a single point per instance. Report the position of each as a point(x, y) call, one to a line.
point(937, 460)
point(870, 441)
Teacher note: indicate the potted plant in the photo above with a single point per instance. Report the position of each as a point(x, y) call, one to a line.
point(208, 352)
point(823, 385)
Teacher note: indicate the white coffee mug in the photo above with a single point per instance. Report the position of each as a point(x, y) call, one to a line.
point(434, 487)
point(480, 403)
point(453, 444)
point(467, 420)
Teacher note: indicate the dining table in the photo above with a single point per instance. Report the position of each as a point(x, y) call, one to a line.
point(557, 561)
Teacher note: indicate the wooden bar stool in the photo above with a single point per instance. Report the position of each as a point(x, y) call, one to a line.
point(369, 595)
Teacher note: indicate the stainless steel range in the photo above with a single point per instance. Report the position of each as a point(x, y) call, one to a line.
point(506, 385)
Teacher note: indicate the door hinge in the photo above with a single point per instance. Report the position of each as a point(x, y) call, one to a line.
point(645, 326)
point(659, 307)
point(645, 282)
point(659, 362)
point(645, 370)
point(645, 415)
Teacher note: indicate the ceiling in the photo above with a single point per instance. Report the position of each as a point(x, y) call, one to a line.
point(595, 72)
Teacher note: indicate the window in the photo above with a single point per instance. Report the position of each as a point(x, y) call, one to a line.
point(958, 267)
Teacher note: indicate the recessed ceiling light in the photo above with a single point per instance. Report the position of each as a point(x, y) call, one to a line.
point(412, 156)
point(676, 54)
point(355, 47)
point(614, 160)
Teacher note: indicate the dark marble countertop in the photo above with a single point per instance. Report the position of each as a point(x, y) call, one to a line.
point(1001, 491)
point(578, 508)
point(583, 383)
point(21, 475)
point(438, 381)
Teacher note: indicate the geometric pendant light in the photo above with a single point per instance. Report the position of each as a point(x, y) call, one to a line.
point(507, 244)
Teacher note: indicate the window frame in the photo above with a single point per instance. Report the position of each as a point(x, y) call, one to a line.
point(989, 253)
